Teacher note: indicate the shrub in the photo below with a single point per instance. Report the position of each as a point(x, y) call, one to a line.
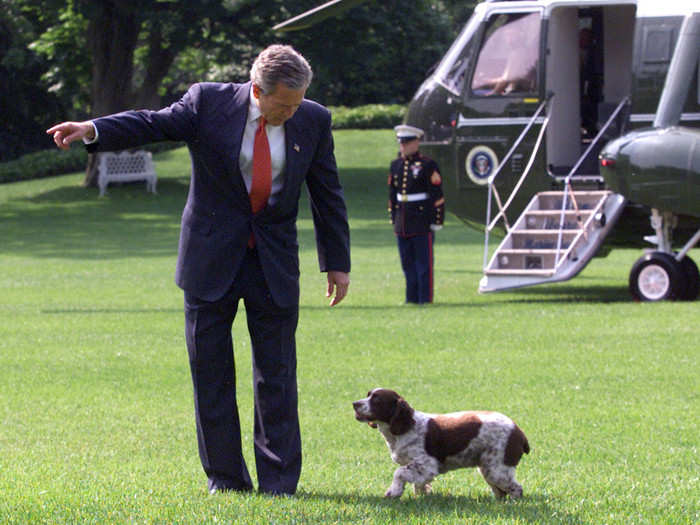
point(373, 116)
point(43, 164)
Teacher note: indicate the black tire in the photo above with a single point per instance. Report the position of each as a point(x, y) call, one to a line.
point(692, 279)
point(656, 276)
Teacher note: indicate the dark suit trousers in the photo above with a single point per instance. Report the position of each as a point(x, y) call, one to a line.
point(210, 347)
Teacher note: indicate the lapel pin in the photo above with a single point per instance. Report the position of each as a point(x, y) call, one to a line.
point(297, 148)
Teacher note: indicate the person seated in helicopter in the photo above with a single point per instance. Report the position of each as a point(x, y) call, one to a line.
point(507, 61)
point(510, 83)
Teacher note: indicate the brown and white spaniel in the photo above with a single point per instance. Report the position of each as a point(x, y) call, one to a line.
point(426, 445)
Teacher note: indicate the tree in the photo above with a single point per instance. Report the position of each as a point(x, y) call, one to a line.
point(26, 103)
point(377, 52)
point(123, 49)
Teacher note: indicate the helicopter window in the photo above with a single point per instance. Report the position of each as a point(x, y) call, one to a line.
point(453, 68)
point(507, 62)
point(658, 46)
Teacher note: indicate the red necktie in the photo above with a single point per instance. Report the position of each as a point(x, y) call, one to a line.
point(262, 173)
point(262, 169)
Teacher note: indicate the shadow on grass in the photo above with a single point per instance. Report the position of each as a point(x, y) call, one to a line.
point(531, 508)
point(569, 293)
point(98, 311)
point(593, 294)
point(133, 191)
point(73, 222)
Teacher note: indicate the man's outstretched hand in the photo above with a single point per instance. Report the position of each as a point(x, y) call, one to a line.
point(67, 132)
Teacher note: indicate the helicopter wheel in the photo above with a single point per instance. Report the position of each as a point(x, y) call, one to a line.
point(692, 279)
point(657, 276)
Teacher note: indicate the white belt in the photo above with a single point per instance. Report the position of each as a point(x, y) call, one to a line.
point(411, 197)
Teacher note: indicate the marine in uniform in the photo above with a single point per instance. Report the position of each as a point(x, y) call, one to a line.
point(417, 209)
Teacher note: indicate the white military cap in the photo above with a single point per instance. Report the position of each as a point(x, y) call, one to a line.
point(404, 131)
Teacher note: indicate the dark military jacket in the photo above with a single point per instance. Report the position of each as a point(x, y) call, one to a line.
point(415, 195)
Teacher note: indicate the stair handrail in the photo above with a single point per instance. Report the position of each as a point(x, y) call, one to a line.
point(526, 172)
point(512, 149)
point(567, 180)
point(595, 140)
point(489, 225)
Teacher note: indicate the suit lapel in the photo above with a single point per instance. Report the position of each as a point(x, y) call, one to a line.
point(293, 152)
point(239, 115)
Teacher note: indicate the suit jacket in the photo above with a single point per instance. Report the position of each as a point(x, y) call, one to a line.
point(217, 218)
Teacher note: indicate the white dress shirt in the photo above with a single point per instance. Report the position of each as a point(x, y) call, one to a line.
point(275, 136)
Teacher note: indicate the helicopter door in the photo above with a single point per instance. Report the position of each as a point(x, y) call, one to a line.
point(589, 64)
point(500, 97)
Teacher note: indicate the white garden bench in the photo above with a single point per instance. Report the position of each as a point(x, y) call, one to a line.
point(126, 167)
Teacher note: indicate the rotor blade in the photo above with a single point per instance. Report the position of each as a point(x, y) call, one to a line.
point(316, 15)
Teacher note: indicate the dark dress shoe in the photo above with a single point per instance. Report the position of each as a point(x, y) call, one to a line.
point(215, 486)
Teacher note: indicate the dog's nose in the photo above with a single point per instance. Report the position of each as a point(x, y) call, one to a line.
point(355, 404)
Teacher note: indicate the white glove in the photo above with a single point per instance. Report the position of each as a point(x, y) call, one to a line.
point(436, 227)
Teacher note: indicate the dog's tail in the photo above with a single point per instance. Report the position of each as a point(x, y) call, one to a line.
point(517, 446)
point(526, 444)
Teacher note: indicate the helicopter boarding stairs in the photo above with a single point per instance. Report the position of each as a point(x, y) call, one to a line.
point(542, 248)
point(556, 235)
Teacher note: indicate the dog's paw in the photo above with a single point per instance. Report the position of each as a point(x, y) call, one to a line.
point(516, 492)
point(422, 489)
point(393, 492)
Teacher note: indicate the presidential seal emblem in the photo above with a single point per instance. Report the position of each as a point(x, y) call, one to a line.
point(480, 164)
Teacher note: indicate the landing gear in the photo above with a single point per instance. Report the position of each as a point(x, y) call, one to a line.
point(655, 277)
point(662, 274)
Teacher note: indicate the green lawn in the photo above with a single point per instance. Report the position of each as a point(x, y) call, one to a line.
point(96, 412)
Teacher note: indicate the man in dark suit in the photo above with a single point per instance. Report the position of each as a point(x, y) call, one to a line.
point(252, 146)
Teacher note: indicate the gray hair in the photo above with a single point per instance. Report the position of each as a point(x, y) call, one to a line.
point(280, 64)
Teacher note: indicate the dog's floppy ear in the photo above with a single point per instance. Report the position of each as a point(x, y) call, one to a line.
point(402, 418)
